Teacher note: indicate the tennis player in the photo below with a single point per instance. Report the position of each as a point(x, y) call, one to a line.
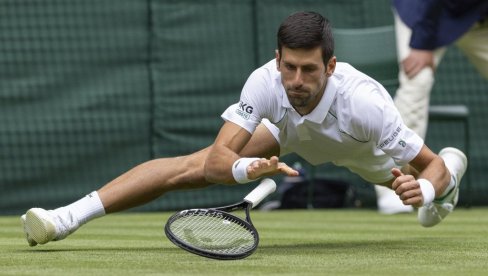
point(305, 102)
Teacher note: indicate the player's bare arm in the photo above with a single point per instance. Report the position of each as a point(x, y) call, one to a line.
point(430, 167)
point(223, 155)
point(230, 140)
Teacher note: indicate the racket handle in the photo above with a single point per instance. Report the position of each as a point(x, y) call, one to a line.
point(265, 188)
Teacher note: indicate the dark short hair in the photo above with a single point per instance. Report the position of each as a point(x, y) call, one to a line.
point(306, 30)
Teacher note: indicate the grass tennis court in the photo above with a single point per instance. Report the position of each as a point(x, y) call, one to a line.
point(318, 242)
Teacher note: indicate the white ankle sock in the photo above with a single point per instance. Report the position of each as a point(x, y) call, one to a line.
point(85, 209)
point(450, 186)
point(453, 165)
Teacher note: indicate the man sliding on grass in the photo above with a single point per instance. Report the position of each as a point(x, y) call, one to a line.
point(305, 102)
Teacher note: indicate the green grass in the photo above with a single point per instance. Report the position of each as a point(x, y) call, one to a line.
point(320, 242)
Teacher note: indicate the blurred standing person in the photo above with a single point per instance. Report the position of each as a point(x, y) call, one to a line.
point(424, 30)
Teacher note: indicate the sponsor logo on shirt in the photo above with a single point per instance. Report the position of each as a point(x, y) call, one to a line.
point(402, 143)
point(392, 138)
point(244, 110)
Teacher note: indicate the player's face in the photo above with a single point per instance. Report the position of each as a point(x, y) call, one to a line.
point(304, 76)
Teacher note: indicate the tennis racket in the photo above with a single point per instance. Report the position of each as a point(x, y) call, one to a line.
point(214, 232)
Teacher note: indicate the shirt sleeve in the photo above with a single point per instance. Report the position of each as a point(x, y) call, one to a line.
point(377, 119)
point(254, 103)
point(396, 139)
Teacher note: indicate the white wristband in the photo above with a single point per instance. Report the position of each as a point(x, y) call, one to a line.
point(428, 191)
point(239, 169)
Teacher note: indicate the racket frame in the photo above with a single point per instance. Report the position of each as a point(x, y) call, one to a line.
point(266, 187)
point(225, 211)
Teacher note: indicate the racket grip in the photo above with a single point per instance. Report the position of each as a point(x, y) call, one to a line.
point(265, 188)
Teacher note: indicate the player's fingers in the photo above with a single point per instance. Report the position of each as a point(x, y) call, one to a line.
point(410, 193)
point(413, 199)
point(262, 167)
point(398, 181)
point(284, 168)
point(265, 167)
point(404, 183)
point(396, 172)
point(273, 161)
point(262, 163)
point(405, 186)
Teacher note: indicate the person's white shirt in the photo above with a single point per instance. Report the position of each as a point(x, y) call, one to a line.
point(355, 124)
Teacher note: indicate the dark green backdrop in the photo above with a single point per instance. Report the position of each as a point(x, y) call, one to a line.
point(90, 88)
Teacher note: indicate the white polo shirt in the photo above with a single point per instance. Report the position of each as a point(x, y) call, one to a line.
point(355, 124)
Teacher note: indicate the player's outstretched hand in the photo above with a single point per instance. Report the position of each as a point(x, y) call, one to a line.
point(407, 188)
point(266, 167)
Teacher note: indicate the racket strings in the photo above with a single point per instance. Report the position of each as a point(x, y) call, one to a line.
point(214, 232)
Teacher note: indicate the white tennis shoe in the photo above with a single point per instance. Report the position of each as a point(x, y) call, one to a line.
point(389, 203)
point(30, 241)
point(436, 211)
point(42, 226)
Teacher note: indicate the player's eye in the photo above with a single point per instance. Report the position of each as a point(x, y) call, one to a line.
point(290, 67)
point(309, 69)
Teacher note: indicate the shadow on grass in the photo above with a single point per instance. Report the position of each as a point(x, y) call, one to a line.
point(373, 245)
point(300, 248)
point(38, 250)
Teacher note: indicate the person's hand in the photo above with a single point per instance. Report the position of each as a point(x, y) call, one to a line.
point(407, 188)
point(416, 61)
point(266, 167)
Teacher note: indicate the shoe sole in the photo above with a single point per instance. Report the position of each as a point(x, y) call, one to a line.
point(38, 227)
point(30, 241)
point(427, 218)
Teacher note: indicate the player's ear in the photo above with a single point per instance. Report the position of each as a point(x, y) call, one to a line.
point(331, 65)
point(277, 58)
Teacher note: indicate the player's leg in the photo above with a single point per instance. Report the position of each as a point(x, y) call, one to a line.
point(433, 213)
point(154, 178)
point(138, 186)
point(474, 45)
